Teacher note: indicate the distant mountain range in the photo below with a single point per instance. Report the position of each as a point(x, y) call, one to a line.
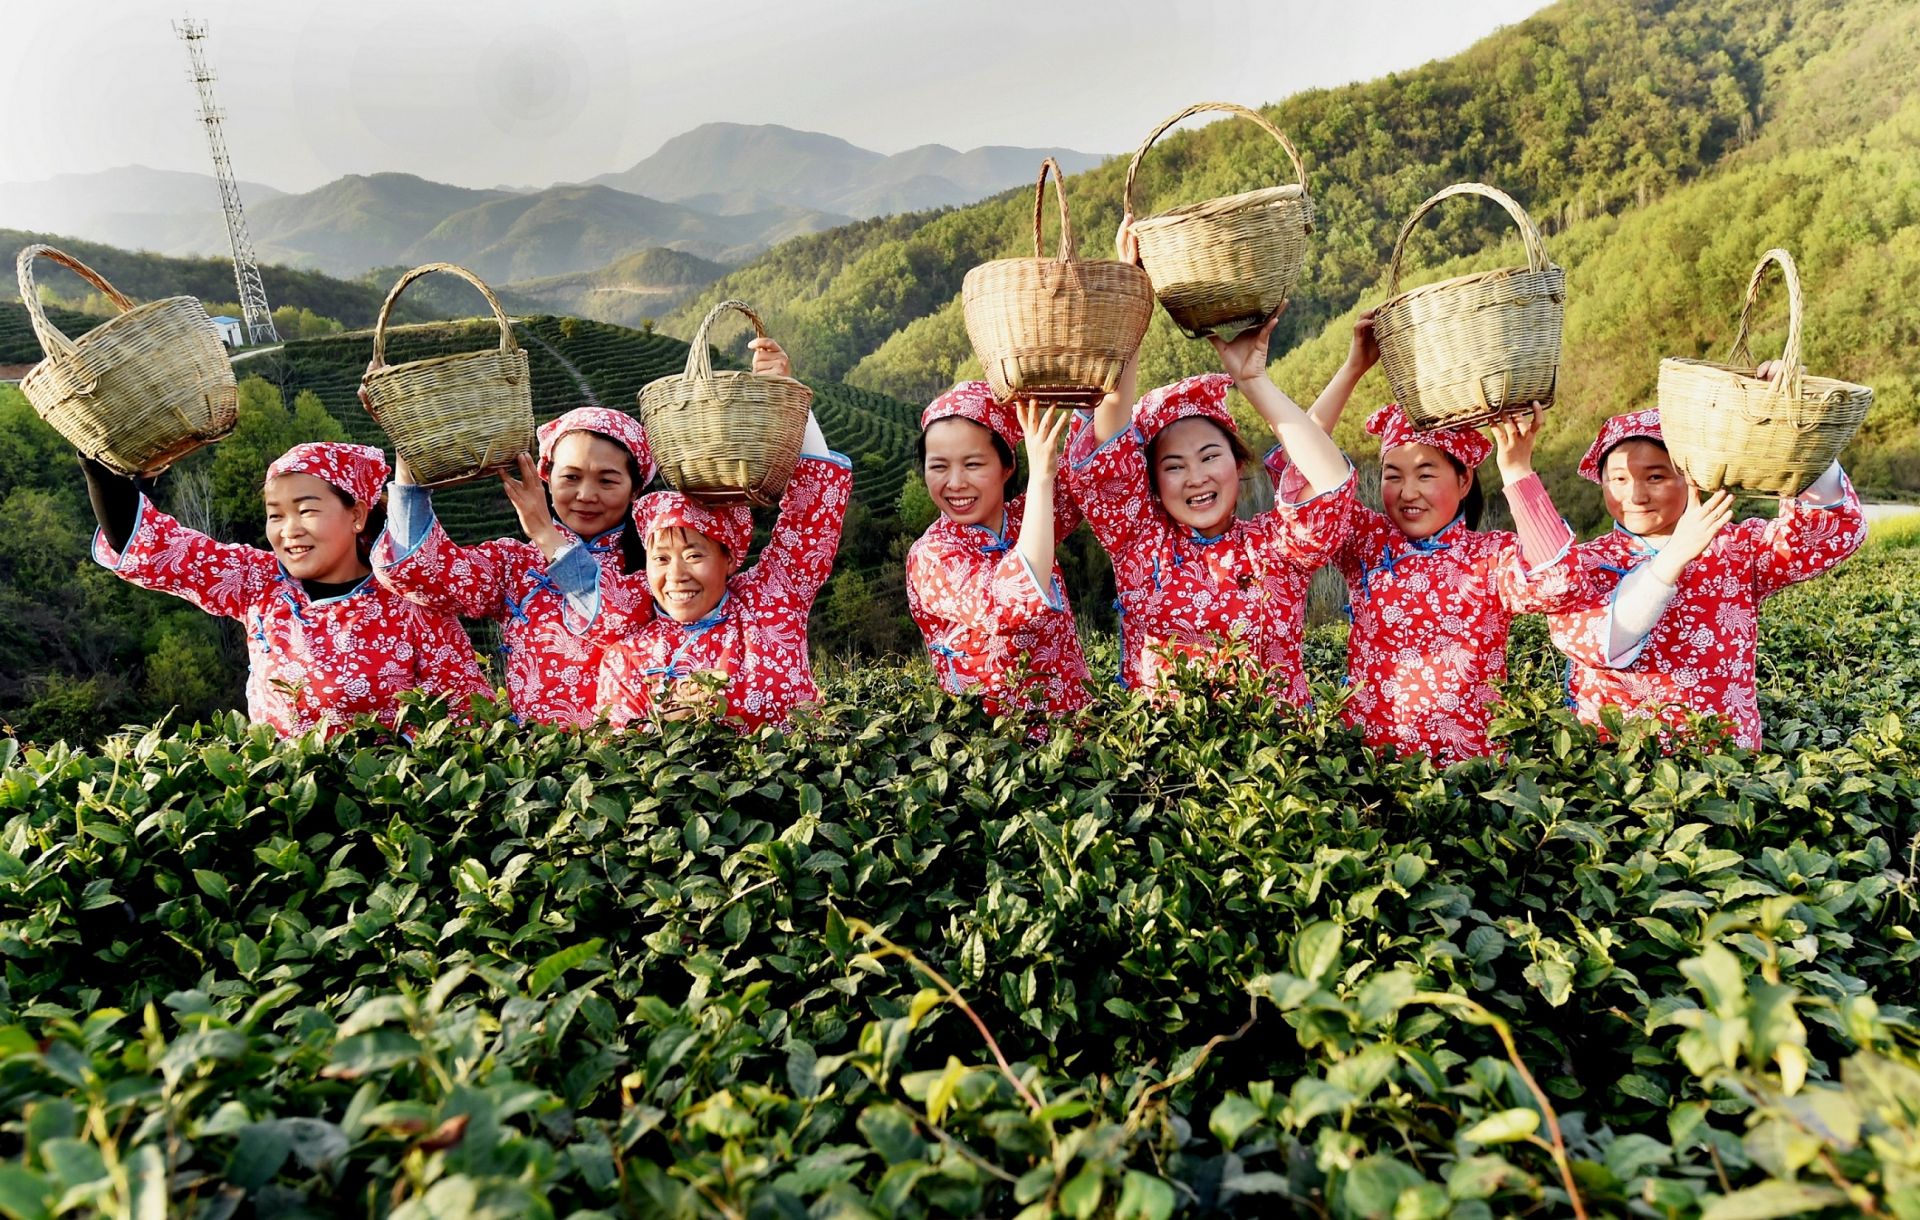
point(722, 192)
point(729, 167)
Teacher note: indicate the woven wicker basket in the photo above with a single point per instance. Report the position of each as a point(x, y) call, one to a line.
point(728, 437)
point(1223, 265)
point(452, 418)
point(141, 390)
point(1056, 329)
point(1727, 428)
point(1468, 350)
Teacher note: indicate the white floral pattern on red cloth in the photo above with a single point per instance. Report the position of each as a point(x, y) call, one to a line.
point(1464, 445)
point(988, 624)
point(754, 642)
point(1700, 656)
point(1430, 623)
point(1183, 595)
point(973, 400)
point(308, 663)
point(358, 470)
point(553, 671)
point(622, 427)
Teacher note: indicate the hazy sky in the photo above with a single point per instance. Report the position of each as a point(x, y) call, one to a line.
point(490, 92)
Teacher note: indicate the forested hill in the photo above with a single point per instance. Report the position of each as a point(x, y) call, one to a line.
point(1662, 147)
point(146, 276)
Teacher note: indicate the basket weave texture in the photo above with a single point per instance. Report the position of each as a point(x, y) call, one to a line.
point(1223, 265)
point(725, 437)
point(141, 390)
point(1727, 428)
point(1056, 329)
point(452, 418)
point(1471, 349)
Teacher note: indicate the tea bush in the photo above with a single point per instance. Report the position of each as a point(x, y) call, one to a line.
point(1206, 957)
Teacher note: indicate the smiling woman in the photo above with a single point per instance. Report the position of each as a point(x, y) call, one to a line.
point(325, 641)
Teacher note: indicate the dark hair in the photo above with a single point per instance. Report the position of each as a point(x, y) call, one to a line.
point(1474, 506)
point(633, 548)
point(1601, 465)
point(1241, 454)
point(1000, 447)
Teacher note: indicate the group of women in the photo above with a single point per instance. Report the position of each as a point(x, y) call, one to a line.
point(634, 608)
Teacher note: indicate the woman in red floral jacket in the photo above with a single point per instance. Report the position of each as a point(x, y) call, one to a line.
point(325, 641)
point(982, 581)
point(593, 462)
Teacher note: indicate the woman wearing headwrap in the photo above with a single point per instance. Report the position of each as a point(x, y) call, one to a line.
point(1673, 627)
point(700, 631)
point(1159, 482)
point(325, 641)
point(1432, 596)
point(592, 464)
point(982, 581)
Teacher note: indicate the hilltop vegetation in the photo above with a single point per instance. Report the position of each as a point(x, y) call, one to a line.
point(1610, 121)
point(146, 276)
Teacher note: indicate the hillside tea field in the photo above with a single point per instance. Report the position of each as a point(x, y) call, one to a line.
point(1208, 958)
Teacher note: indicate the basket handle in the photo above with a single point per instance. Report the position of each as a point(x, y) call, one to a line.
point(1067, 249)
point(507, 341)
point(52, 341)
point(1789, 381)
point(1266, 124)
point(1529, 233)
point(699, 359)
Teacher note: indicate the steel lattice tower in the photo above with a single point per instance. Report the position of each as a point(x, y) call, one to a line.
point(254, 310)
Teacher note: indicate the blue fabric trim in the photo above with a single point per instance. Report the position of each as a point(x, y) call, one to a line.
point(410, 517)
point(1132, 430)
point(577, 581)
point(838, 459)
point(366, 582)
point(1430, 545)
point(690, 633)
point(139, 523)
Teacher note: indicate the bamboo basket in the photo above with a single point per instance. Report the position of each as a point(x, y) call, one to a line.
point(1057, 329)
point(1727, 428)
point(1471, 349)
point(452, 418)
point(1223, 265)
point(141, 390)
point(729, 437)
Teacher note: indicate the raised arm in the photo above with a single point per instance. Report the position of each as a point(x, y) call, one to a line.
point(416, 559)
point(1362, 354)
point(1312, 451)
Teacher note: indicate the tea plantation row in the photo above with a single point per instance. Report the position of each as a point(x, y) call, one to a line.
point(1210, 958)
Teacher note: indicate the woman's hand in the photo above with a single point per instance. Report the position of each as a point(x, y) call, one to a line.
point(1694, 532)
point(1045, 428)
point(769, 360)
point(529, 497)
point(1364, 352)
point(1513, 440)
point(1126, 243)
point(1244, 357)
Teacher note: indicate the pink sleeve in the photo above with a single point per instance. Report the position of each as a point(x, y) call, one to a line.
point(1806, 540)
point(1544, 534)
point(995, 600)
point(223, 578)
point(445, 577)
point(798, 557)
point(1110, 483)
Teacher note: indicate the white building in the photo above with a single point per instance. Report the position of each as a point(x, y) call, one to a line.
point(229, 330)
